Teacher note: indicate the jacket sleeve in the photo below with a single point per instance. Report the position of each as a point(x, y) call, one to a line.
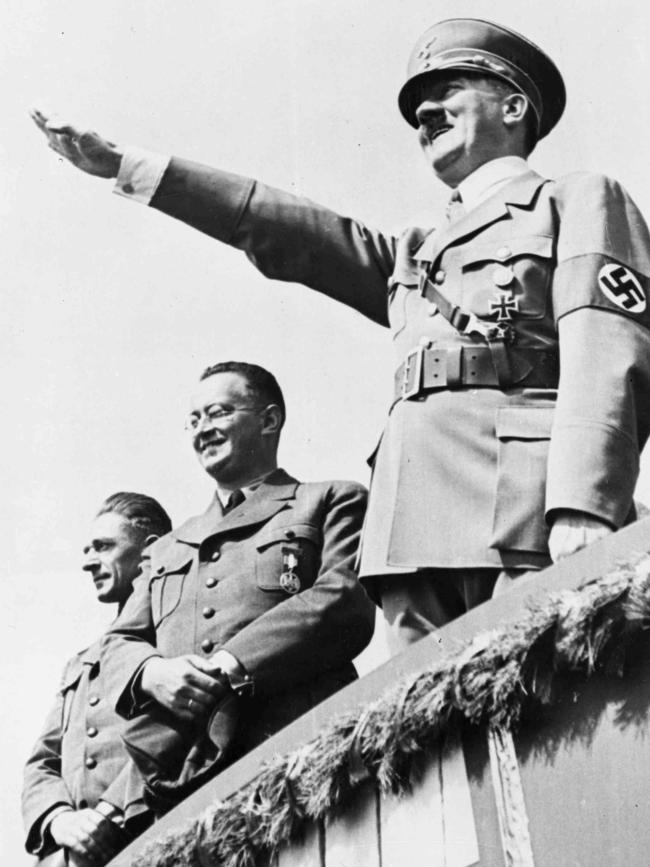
point(126, 792)
point(285, 236)
point(128, 644)
point(600, 298)
point(322, 627)
point(43, 786)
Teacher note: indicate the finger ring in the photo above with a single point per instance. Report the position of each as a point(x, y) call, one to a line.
point(190, 702)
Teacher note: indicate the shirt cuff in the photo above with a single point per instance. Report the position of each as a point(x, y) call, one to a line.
point(140, 174)
point(239, 679)
point(47, 840)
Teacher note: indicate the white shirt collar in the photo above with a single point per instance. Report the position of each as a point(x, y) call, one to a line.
point(488, 178)
point(223, 494)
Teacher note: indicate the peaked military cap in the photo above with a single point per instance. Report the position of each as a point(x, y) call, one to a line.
point(478, 46)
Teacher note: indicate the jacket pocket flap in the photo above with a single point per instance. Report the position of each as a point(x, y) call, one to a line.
point(495, 251)
point(290, 533)
point(175, 560)
point(524, 422)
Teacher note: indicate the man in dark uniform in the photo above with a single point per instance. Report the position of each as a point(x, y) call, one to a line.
point(81, 801)
point(247, 616)
point(494, 460)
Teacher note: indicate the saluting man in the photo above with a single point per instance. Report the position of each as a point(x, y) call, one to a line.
point(247, 616)
point(82, 802)
point(520, 325)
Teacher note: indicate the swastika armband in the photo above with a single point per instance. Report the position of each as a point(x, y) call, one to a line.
point(595, 280)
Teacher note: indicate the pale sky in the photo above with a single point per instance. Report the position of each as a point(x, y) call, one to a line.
point(111, 311)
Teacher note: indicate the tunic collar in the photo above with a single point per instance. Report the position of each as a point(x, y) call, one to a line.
point(489, 178)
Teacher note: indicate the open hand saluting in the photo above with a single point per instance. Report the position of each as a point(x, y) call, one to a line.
point(85, 149)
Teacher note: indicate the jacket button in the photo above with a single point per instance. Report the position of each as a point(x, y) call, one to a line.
point(208, 613)
point(504, 252)
point(215, 556)
point(91, 731)
point(290, 534)
point(503, 276)
point(160, 570)
point(211, 581)
point(91, 763)
point(439, 277)
point(93, 700)
point(207, 645)
point(128, 189)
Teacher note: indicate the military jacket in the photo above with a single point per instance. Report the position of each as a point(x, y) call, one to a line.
point(79, 758)
point(272, 582)
point(471, 477)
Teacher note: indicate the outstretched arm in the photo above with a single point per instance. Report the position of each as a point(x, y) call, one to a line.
point(286, 237)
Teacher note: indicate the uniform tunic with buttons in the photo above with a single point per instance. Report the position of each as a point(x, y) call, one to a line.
point(272, 582)
point(79, 758)
point(470, 477)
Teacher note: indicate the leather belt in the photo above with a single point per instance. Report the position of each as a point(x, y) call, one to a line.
point(473, 367)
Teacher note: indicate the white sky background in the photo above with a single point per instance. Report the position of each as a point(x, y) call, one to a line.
point(111, 311)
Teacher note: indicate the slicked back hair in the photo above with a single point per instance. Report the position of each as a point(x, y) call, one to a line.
point(143, 513)
point(262, 384)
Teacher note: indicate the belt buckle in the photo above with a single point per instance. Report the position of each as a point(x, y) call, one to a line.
point(413, 361)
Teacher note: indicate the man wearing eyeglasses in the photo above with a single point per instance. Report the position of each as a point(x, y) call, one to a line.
point(246, 616)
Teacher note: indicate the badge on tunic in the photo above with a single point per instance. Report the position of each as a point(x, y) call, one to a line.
point(504, 305)
point(622, 288)
point(289, 579)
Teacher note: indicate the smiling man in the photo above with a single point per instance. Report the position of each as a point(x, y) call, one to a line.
point(246, 616)
point(520, 325)
point(82, 802)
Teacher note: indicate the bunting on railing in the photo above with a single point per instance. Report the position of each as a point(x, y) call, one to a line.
point(489, 682)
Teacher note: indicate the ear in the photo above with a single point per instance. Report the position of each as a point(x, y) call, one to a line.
point(514, 108)
point(150, 540)
point(271, 419)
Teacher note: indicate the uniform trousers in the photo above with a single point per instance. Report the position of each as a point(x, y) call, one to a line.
point(417, 603)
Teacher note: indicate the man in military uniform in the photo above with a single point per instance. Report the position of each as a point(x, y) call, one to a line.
point(494, 460)
point(81, 801)
point(247, 616)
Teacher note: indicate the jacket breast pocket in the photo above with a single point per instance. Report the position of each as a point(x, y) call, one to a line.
point(519, 267)
point(167, 584)
point(523, 434)
point(288, 558)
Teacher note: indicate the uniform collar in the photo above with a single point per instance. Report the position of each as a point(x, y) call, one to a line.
point(518, 192)
point(486, 179)
point(247, 490)
point(265, 501)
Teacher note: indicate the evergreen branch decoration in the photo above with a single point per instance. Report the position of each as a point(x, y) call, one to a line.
point(488, 682)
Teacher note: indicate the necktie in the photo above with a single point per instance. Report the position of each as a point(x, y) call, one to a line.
point(455, 208)
point(234, 500)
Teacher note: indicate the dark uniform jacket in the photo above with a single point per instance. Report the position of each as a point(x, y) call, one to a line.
point(79, 758)
point(469, 477)
point(272, 582)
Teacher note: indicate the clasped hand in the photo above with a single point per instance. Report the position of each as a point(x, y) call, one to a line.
point(189, 686)
point(88, 837)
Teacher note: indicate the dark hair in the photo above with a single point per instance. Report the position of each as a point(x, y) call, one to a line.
point(259, 381)
point(143, 513)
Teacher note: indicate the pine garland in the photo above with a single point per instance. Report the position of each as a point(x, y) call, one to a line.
point(487, 683)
